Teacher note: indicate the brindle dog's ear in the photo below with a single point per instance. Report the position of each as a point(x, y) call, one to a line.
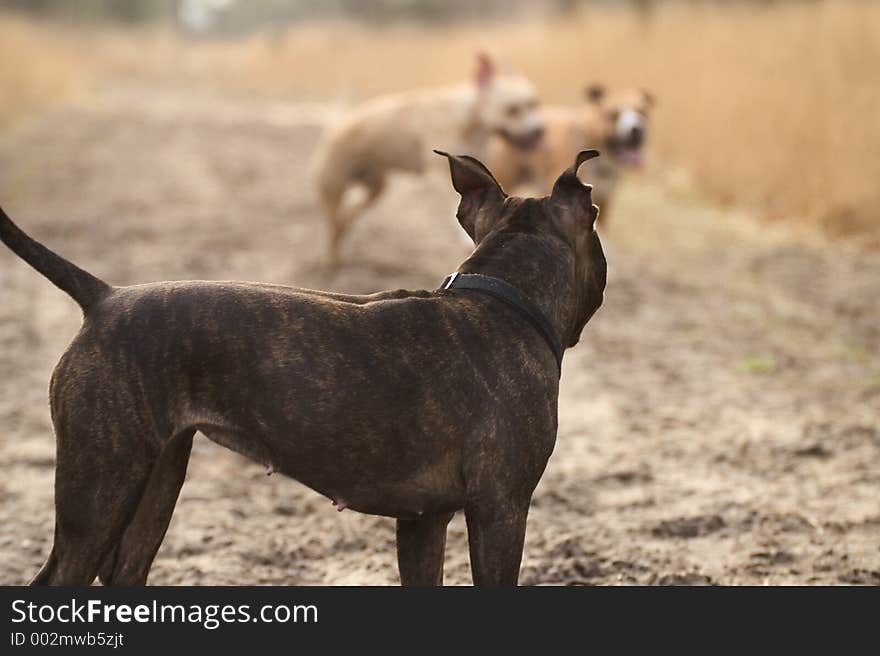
point(481, 195)
point(572, 193)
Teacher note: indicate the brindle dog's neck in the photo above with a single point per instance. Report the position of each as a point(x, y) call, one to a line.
point(539, 265)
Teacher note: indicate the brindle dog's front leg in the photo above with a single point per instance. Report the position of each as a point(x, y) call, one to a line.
point(496, 532)
point(421, 547)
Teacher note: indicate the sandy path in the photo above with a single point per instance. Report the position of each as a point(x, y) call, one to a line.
point(720, 421)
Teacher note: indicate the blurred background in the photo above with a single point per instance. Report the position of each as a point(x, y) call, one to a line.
point(767, 104)
point(720, 419)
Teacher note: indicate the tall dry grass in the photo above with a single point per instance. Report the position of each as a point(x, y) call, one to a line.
point(773, 107)
point(39, 66)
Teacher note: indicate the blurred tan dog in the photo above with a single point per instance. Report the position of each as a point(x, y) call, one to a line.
point(614, 121)
point(398, 132)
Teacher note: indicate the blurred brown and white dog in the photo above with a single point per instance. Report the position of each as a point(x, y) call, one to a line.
point(398, 132)
point(614, 121)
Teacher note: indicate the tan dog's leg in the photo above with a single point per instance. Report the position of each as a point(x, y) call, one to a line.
point(341, 218)
point(604, 210)
point(331, 202)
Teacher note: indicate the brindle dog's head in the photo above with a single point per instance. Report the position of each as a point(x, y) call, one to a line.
point(547, 243)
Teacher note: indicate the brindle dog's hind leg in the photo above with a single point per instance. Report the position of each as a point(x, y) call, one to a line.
point(99, 479)
point(421, 547)
point(130, 562)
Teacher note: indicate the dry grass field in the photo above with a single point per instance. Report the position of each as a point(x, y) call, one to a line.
point(40, 66)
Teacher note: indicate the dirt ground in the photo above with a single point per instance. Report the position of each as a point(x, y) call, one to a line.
point(719, 421)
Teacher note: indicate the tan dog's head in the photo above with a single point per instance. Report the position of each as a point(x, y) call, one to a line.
point(624, 117)
point(507, 105)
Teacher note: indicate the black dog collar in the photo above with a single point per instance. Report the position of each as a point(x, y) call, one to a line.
point(507, 293)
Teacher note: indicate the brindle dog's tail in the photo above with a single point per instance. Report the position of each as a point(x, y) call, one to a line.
point(82, 286)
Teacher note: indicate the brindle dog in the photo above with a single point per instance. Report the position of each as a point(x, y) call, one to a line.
point(407, 404)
